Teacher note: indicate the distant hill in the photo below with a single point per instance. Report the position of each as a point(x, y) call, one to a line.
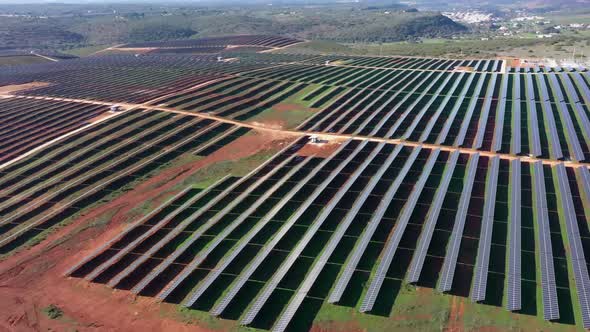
point(16, 34)
point(398, 28)
point(360, 25)
point(363, 21)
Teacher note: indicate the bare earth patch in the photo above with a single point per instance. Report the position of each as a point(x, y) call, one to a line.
point(322, 150)
point(336, 326)
point(273, 124)
point(283, 115)
point(465, 69)
point(285, 107)
point(455, 323)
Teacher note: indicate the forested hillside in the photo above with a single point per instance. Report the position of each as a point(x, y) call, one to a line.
point(110, 24)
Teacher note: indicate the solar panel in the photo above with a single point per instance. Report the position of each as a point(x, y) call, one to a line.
point(366, 236)
point(430, 223)
point(390, 113)
point(556, 87)
point(556, 152)
point(575, 148)
point(380, 108)
point(500, 66)
point(200, 257)
point(576, 250)
point(335, 239)
point(516, 121)
point(499, 126)
point(483, 119)
point(423, 64)
point(131, 246)
point(203, 228)
point(395, 95)
point(453, 113)
point(109, 243)
point(228, 259)
point(363, 111)
point(217, 139)
point(582, 85)
point(550, 303)
point(337, 109)
point(441, 108)
point(580, 113)
point(572, 138)
point(374, 94)
point(18, 234)
point(368, 76)
point(450, 262)
point(271, 285)
point(530, 88)
point(394, 240)
point(425, 108)
point(371, 80)
point(447, 65)
point(544, 95)
point(584, 182)
point(478, 289)
point(410, 108)
point(460, 139)
point(535, 146)
point(432, 64)
point(266, 250)
point(514, 300)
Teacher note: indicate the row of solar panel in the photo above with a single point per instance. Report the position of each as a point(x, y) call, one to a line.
point(344, 185)
point(530, 111)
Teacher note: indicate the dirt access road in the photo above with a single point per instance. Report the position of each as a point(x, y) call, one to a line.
point(298, 133)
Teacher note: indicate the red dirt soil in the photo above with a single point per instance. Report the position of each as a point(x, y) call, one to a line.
point(273, 124)
point(286, 107)
point(335, 326)
point(466, 69)
point(455, 323)
point(514, 63)
point(322, 150)
point(33, 279)
point(276, 119)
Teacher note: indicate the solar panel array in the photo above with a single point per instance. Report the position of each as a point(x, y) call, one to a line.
point(426, 235)
point(450, 263)
point(390, 247)
point(577, 257)
point(302, 228)
point(543, 115)
point(514, 300)
point(550, 302)
point(360, 178)
point(479, 286)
